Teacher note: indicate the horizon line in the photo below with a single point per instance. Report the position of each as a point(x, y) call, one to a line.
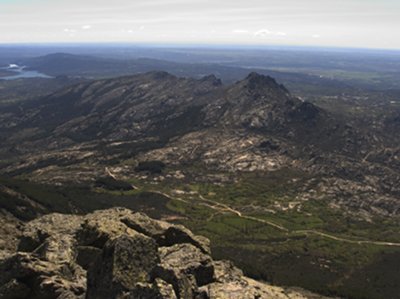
point(198, 45)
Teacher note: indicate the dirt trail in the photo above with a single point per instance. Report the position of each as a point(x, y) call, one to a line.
point(220, 207)
point(225, 208)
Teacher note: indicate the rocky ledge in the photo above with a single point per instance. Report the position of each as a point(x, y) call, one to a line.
point(117, 253)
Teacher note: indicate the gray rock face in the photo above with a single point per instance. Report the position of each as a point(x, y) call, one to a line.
point(44, 266)
point(185, 267)
point(124, 262)
point(117, 253)
point(9, 232)
point(164, 233)
point(159, 289)
point(34, 277)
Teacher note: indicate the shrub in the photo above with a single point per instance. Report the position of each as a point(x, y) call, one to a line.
point(153, 167)
point(110, 183)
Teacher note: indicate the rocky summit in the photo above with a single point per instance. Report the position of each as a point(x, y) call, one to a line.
point(117, 253)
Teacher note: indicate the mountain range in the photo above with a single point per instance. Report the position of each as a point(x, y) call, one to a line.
point(248, 148)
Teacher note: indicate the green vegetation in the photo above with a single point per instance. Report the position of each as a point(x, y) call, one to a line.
point(75, 199)
point(152, 167)
point(110, 183)
point(309, 261)
point(294, 257)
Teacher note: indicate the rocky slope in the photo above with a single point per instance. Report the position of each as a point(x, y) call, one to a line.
point(271, 179)
point(250, 126)
point(161, 106)
point(117, 253)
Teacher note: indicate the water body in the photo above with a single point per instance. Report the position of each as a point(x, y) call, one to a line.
point(21, 72)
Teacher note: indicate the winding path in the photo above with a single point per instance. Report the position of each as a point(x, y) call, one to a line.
point(220, 207)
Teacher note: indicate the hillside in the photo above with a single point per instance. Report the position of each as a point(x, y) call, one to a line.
point(264, 174)
point(115, 119)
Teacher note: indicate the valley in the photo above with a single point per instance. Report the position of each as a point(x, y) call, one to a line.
point(296, 183)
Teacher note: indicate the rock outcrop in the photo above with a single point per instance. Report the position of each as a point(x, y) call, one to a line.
point(117, 253)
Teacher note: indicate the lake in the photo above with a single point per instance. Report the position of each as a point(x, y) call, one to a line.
point(21, 72)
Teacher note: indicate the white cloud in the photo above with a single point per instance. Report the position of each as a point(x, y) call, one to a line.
point(267, 22)
point(264, 33)
point(70, 32)
point(86, 27)
point(240, 31)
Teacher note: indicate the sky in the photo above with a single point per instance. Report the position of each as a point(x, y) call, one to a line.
point(338, 23)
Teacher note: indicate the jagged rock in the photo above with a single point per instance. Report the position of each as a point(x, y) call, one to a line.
point(42, 278)
point(231, 284)
point(211, 79)
point(37, 231)
point(119, 254)
point(87, 255)
point(164, 233)
point(185, 267)
point(159, 289)
point(101, 226)
point(226, 271)
point(46, 261)
point(124, 262)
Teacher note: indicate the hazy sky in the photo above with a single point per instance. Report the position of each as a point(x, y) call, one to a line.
point(349, 23)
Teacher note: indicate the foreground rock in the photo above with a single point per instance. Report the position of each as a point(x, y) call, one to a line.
point(117, 253)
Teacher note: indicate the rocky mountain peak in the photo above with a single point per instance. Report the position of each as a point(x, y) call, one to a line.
point(255, 81)
point(212, 79)
point(159, 75)
point(160, 104)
